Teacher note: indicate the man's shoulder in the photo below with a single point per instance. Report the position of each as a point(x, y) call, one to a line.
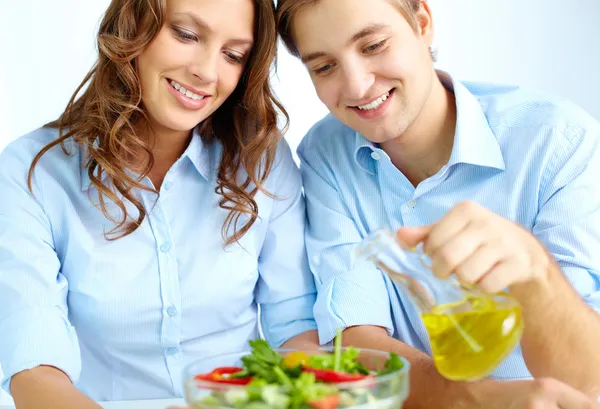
point(507, 106)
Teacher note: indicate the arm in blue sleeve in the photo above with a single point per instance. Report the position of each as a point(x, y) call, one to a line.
point(286, 290)
point(34, 324)
point(568, 222)
point(348, 293)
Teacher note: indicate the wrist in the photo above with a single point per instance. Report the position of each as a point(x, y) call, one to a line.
point(540, 283)
point(471, 395)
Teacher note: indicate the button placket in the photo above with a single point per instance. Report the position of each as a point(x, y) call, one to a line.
point(170, 331)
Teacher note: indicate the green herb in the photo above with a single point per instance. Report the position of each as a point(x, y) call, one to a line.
point(348, 362)
point(306, 389)
point(262, 361)
point(393, 364)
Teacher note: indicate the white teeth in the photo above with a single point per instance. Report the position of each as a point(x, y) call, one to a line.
point(186, 92)
point(375, 103)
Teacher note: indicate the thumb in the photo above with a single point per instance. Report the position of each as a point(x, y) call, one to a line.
point(411, 236)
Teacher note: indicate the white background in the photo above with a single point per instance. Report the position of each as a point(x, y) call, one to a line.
point(46, 47)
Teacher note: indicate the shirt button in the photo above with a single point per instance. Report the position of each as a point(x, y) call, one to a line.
point(165, 247)
point(168, 185)
point(172, 351)
point(375, 155)
point(172, 311)
point(412, 203)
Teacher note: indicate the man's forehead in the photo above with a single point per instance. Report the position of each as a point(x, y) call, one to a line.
point(366, 31)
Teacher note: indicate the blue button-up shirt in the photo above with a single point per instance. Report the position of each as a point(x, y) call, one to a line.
point(122, 318)
point(529, 158)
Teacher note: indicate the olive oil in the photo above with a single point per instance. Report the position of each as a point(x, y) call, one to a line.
point(471, 332)
point(469, 339)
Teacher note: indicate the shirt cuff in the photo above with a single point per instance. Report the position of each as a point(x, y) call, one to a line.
point(286, 319)
point(352, 299)
point(35, 337)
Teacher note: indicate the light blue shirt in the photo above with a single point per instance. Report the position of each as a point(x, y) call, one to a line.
point(529, 158)
point(122, 318)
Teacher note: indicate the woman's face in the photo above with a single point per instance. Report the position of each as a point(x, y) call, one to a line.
point(196, 60)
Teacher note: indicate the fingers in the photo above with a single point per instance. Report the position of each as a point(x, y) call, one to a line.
point(411, 236)
point(559, 395)
point(570, 398)
point(484, 259)
point(448, 257)
point(478, 247)
point(450, 225)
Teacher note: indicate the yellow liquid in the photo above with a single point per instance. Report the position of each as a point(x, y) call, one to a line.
point(470, 339)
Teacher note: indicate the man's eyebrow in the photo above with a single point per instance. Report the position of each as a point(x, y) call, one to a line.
point(367, 31)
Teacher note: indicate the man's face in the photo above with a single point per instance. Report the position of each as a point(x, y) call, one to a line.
point(367, 63)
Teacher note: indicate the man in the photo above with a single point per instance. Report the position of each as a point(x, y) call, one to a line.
point(499, 183)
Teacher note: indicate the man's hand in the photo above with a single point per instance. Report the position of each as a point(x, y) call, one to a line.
point(545, 393)
point(479, 247)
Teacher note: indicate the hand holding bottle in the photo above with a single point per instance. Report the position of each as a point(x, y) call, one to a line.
point(480, 248)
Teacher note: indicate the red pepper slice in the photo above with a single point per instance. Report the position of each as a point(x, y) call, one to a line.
point(216, 375)
point(227, 370)
point(329, 376)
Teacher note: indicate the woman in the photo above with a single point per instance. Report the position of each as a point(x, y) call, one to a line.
point(140, 230)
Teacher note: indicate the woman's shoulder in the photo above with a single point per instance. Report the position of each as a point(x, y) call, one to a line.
point(18, 156)
point(27, 146)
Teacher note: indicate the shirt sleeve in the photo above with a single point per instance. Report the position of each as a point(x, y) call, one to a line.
point(349, 293)
point(34, 324)
point(286, 291)
point(568, 222)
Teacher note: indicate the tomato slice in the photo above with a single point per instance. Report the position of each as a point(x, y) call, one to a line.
point(328, 402)
point(227, 370)
point(329, 376)
point(216, 375)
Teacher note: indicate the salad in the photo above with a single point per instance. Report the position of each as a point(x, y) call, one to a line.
point(268, 379)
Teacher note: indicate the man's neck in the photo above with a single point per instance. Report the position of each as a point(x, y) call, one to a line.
point(426, 146)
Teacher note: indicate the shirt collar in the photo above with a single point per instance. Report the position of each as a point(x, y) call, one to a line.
point(202, 156)
point(474, 141)
point(363, 153)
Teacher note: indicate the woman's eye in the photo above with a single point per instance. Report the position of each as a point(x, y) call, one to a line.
point(185, 35)
point(234, 58)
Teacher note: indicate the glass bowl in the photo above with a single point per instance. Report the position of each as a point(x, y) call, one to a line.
point(387, 391)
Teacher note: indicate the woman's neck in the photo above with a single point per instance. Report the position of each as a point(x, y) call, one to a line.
point(167, 146)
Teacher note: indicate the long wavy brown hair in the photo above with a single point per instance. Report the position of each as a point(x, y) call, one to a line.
point(101, 120)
